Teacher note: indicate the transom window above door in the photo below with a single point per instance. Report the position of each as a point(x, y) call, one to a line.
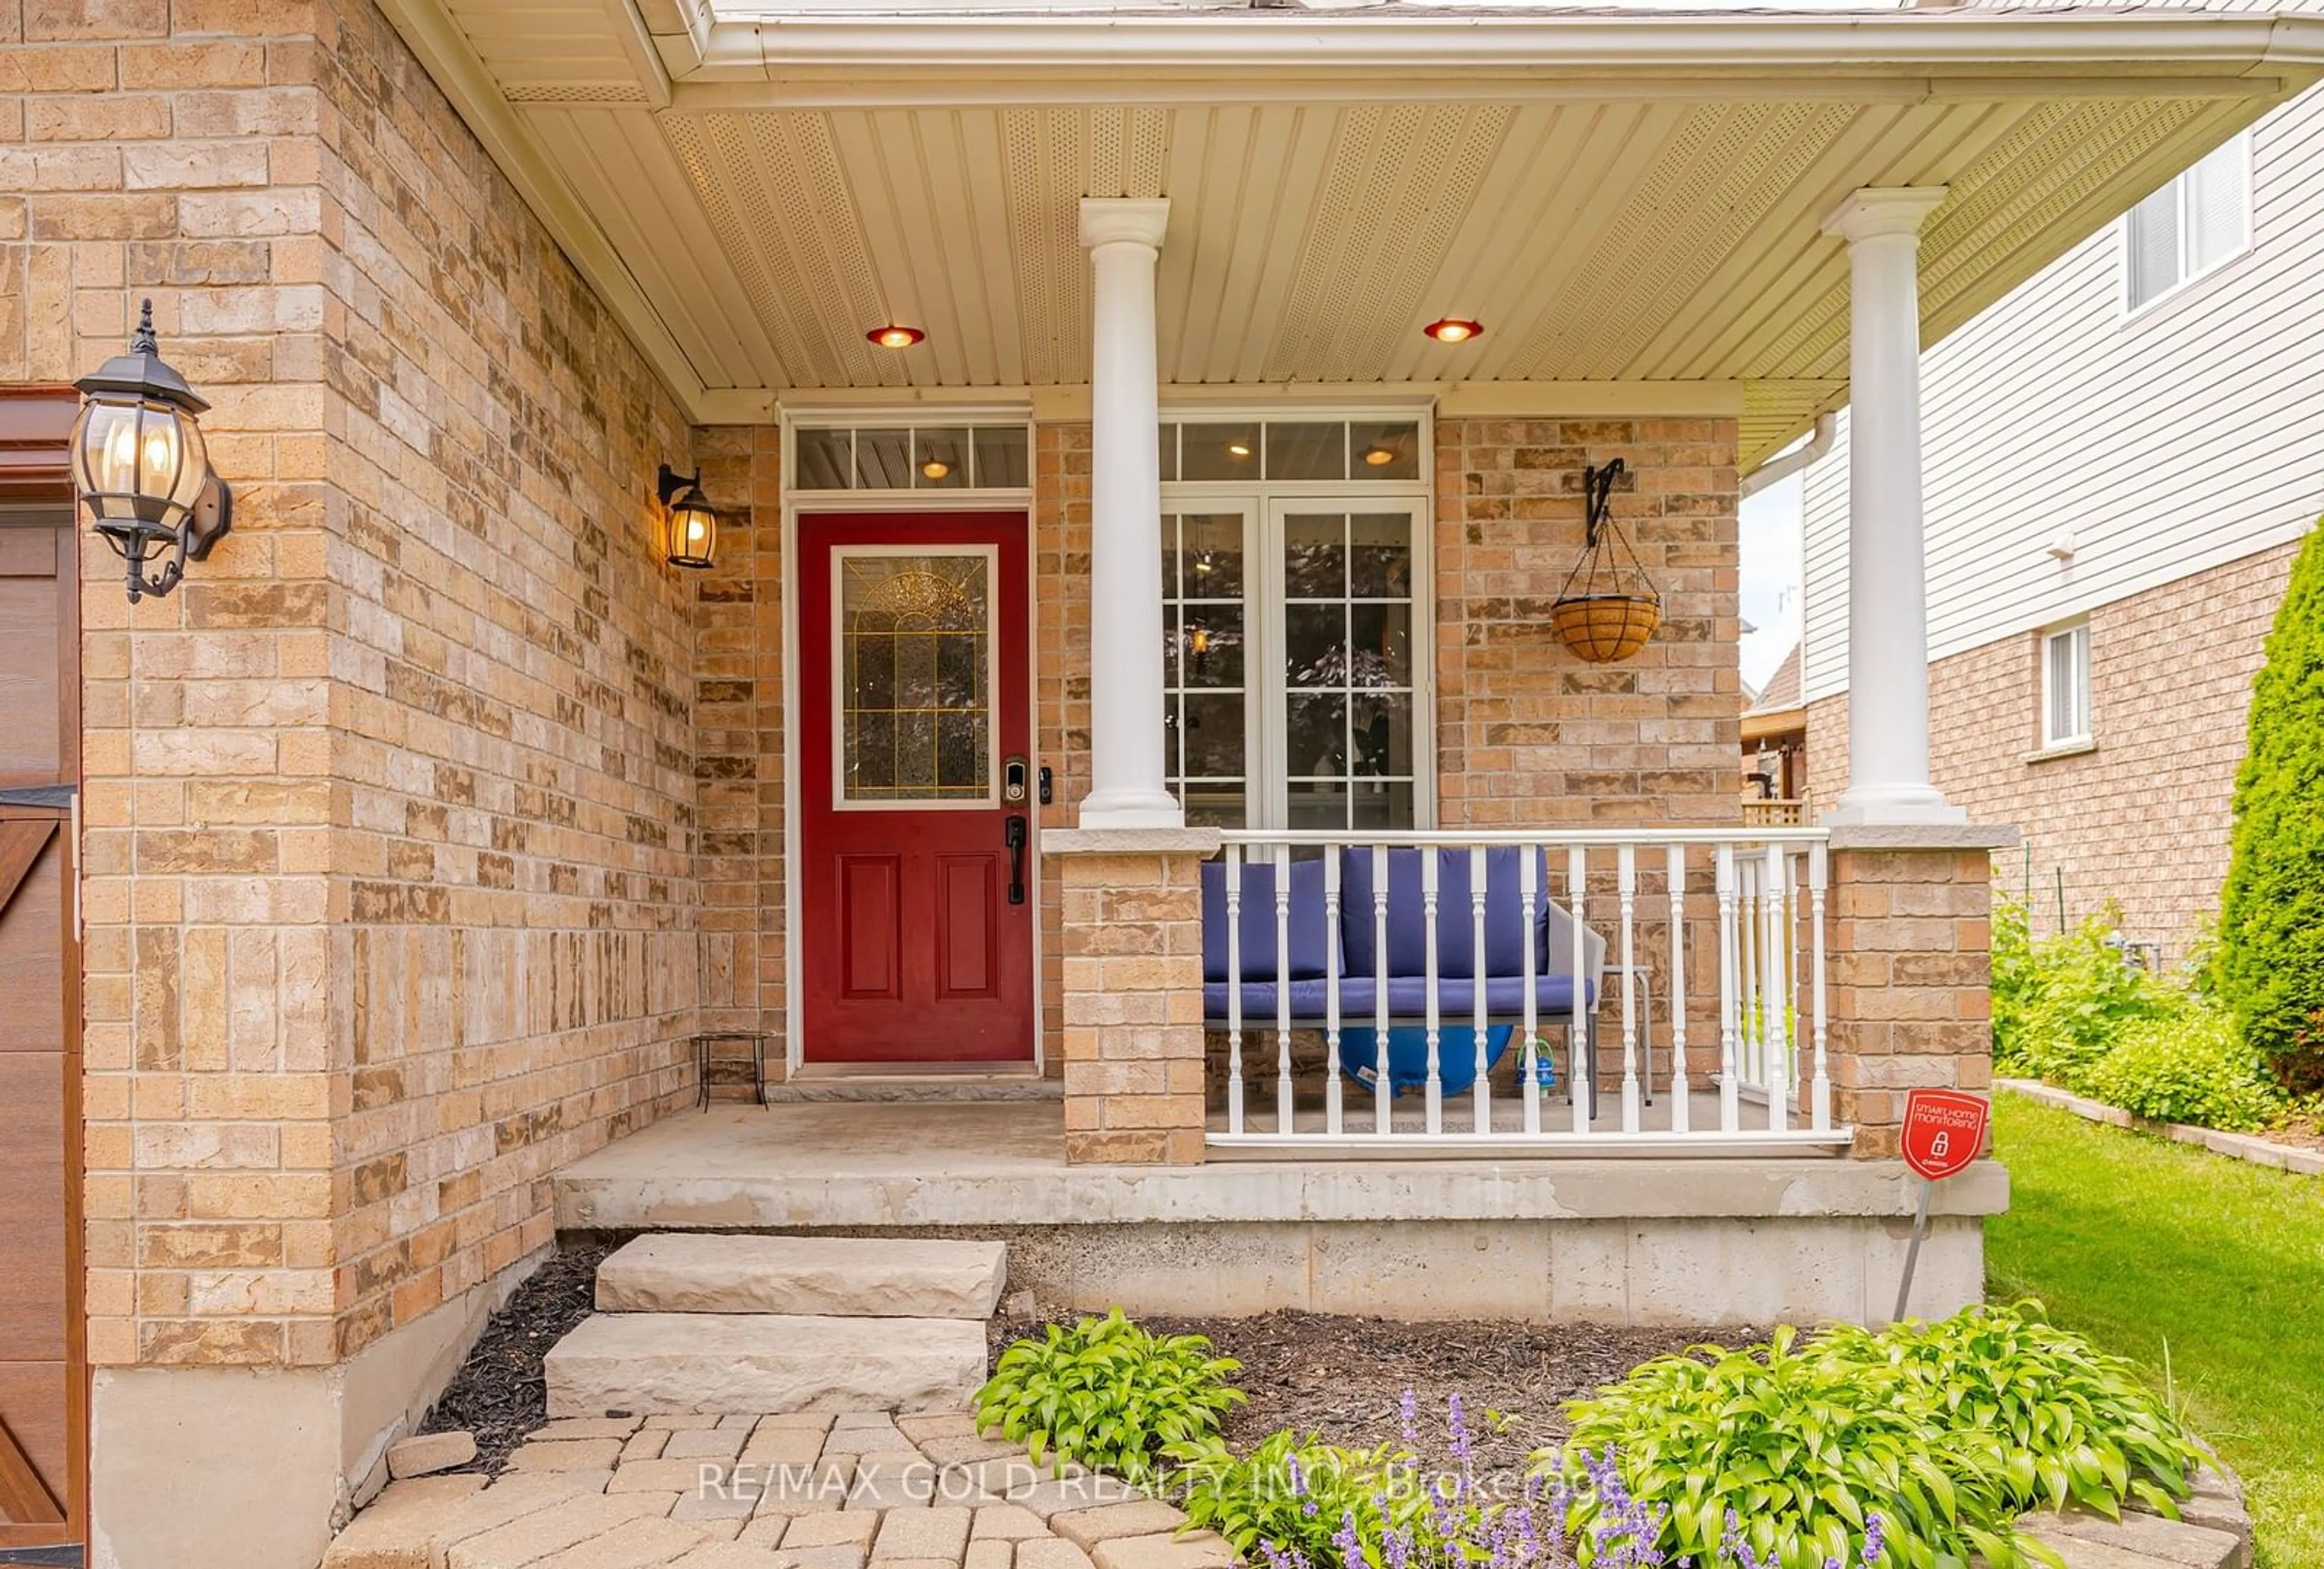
point(1290, 450)
point(1295, 623)
point(952, 456)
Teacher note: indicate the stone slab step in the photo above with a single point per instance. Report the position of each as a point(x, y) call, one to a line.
point(839, 1276)
point(764, 1362)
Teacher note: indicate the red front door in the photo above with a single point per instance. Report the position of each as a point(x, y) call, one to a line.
point(916, 789)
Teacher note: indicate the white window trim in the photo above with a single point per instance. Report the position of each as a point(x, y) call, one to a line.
point(2188, 277)
point(1261, 501)
point(2051, 740)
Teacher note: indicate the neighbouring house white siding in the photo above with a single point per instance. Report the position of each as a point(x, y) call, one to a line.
point(2164, 443)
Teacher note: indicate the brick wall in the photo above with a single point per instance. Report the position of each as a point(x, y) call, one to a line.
point(1061, 656)
point(738, 694)
point(2143, 819)
point(388, 807)
point(1525, 732)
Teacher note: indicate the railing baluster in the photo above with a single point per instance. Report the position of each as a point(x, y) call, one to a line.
point(1582, 1058)
point(1680, 1120)
point(1626, 887)
point(1333, 1107)
point(1283, 1109)
point(1730, 1115)
point(1746, 960)
point(1480, 1086)
point(1527, 896)
point(1429, 971)
point(1380, 994)
point(1778, 1063)
point(1763, 944)
point(1820, 1095)
point(1234, 988)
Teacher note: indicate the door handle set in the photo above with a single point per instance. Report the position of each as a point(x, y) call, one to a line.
point(1013, 834)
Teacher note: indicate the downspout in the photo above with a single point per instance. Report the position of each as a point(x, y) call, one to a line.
point(1784, 465)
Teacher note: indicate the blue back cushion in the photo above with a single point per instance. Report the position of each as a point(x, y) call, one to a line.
point(1505, 933)
point(1311, 937)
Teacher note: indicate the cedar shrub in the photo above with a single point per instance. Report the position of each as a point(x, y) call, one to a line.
point(2270, 962)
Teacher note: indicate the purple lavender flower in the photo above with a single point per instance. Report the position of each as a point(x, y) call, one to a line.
point(1409, 1408)
point(1876, 1541)
point(1350, 1545)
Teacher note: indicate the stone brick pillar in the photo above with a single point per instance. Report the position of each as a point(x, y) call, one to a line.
point(1909, 970)
point(1133, 991)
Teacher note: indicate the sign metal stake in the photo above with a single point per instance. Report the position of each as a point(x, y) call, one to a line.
point(1912, 1253)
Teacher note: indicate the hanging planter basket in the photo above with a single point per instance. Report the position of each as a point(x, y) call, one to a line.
point(1608, 607)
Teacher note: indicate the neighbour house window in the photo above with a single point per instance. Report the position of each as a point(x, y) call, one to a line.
point(1293, 622)
point(2066, 685)
point(2192, 225)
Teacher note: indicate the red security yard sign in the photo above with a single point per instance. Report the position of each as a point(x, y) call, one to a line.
point(1944, 1131)
point(1944, 1134)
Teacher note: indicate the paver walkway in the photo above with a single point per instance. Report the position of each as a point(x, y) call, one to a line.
point(863, 1489)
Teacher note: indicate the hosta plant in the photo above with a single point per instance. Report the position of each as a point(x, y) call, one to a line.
point(1107, 1394)
point(1948, 1432)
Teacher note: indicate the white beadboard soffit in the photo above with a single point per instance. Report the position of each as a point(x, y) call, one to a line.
point(1621, 196)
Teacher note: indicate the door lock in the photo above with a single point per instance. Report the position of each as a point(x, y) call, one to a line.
point(1013, 781)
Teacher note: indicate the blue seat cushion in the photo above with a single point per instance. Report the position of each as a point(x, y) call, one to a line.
point(1312, 937)
point(1506, 932)
point(1408, 1000)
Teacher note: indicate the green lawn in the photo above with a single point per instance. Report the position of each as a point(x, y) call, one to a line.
point(2157, 1249)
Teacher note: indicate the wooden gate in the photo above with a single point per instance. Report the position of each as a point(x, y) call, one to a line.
point(43, 1363)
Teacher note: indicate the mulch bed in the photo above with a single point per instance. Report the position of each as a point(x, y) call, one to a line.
point(500, 1394)
point(1344, 1379)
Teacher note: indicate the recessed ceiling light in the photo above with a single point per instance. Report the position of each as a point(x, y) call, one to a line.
point(1237, 449)
point(935, 468)
point(1454, 329)
point(1379, 456)
point(894, 336)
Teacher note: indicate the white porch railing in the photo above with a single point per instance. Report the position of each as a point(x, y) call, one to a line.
point(1366, 938)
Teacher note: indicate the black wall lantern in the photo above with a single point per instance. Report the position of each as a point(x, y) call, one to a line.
point(138, 458)
point(693, 524)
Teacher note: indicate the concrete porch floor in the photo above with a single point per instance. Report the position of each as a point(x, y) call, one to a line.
point(1643, 1238)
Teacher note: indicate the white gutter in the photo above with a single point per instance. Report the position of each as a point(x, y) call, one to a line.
point(1784, 465)
point(1949, 53)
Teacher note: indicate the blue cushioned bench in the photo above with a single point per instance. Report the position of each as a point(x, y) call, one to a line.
point(1314, 939)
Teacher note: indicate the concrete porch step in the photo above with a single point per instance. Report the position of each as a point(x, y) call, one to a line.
point(842, 1276)
point(649, 1363)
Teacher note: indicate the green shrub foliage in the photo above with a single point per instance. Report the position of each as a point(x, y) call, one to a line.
point(1108, 1394)
point(2068, 1011)
point(1947, 1432)
point(2271, 944)
point(2191, 1067)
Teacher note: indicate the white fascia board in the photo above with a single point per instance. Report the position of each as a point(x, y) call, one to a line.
point(1915, 53)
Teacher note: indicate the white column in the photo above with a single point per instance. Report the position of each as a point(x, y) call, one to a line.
point(1888, 610)
point(1126, 772)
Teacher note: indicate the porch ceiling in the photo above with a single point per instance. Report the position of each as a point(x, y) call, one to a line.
point(1619, 197)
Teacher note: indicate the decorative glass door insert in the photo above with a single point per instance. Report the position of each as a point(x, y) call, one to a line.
point(913, 670)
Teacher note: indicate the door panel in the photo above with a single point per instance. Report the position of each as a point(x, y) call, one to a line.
point(871, 925)
point(914, 671)
point(968, 888)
